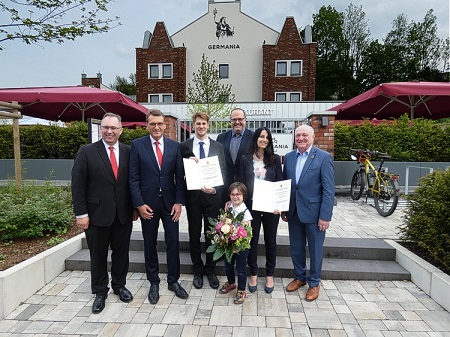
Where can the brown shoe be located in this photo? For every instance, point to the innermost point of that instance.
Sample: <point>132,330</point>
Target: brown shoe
<point>312,293</point>
<point>294,285</point>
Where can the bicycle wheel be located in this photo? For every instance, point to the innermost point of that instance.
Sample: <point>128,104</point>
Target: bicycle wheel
<point>357,185</point>
<point>386,201</point>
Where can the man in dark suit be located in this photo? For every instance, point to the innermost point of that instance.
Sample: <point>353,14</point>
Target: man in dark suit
<point>235,143</point>
<point>158,192</point>
<point>102,205</point>
<point>311,172</point>
<point>205,203</point>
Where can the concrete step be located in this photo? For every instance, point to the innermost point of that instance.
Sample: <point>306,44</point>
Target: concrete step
<point>344,259</point>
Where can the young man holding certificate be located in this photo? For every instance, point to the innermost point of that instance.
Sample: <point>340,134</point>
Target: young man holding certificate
<point>205,202</point>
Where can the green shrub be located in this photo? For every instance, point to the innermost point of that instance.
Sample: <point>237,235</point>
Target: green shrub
<point>33,211</point>
<point>427,218</point>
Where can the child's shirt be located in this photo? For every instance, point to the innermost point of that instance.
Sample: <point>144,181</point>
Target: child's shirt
<point>241,208</point>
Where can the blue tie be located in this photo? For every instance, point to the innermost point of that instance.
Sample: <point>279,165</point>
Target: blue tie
<point>301,159</point>
<point>202,150</point>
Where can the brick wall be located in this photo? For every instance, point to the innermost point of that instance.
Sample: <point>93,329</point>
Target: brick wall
<point>91,81</point>
<point>289,47</point>
<point>324,135</point>
<point>160,50</point>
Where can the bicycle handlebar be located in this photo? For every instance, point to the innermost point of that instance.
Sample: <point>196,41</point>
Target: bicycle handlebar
<point>370,153</point>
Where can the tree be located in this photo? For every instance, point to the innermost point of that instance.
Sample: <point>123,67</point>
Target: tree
<point>124,86</point>
<point>53,20</point>
<point>206,94</point>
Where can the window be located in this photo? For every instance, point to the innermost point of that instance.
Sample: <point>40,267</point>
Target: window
<point>160,70</point>
<point>223,70</point>
<point>288,96</point>
<point>288,68</point>
<point>160,98</point>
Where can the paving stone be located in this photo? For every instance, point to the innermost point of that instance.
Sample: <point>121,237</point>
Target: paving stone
<point>207,331</point>
<point>56,289</point>
<point>415,326</point>
<point>366,310</point>
<point>224,331</point>
<point>393,315</point>
<point>258,321</point>
<point>301,330</point>
<point>156,316</point>
<point>29,311</point>
<point>437,320</point>
<point>226,316</point>
<point>180,314</point>
<point>322,319</point>
<point>157,330</point>
<point>173,330</point>
<point>371,325</point>
<point>394,325</point>
<point>353,330</point>
<point>37,327</point>
<point>73,326</point>
<point>239,331</point>
<point>190,330</point>
<point>297,317</point>
<point>392,334</point>
<point>410,315</point>
<point>283,332</point>
<point>337,333</point>
<point>90,328</point>
<point>347,319</point>
<point>398,295</point>
<point>133,330</point>
<point>272,307</point>
<point>278,322</point>
<point>266,332</point>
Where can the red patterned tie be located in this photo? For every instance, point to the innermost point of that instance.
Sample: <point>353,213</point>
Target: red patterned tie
<point>112,158</point>
<point>158,153</point>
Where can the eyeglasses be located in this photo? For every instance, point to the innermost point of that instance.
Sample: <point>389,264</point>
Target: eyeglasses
<point>112,128</point>
<point>237,120</point>
<point>159,125</point>
<point>235,195</point>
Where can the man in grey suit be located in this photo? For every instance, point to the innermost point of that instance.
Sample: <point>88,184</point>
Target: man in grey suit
<point>102,205</point>
<point>311,172</point>
<point>205,203</point>
<point>235,144</point>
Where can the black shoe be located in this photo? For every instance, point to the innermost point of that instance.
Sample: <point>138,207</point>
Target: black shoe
<point>213,281</point>
<point>99,304</point>
<point>124,294</point>
<point>198,281</point>
<point>178,290</point>
<point>153,295</point>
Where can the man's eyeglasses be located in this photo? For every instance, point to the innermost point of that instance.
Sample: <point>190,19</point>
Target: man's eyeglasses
<point>235,195</point>
<point>237,120</point>
<point>159,125</point>
<point>112,128</point>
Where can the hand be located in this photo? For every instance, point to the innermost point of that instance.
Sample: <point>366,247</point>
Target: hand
<point>83,223</point>
<point>276,211</point>
<point>176,212</point>
<point>323,225</point>
<point>145,212</point>
<point>284,217</point>
<point>208,190</point>
<point>227,205</point>
<point>194,158</point>
<point>135,214</point>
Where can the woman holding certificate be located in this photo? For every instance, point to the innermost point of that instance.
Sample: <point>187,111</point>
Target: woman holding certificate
<point>261,162</point>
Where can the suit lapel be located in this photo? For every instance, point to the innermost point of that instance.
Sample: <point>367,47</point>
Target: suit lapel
<point>104,156</point>
<point>149,146</point>
<point>308,162</point>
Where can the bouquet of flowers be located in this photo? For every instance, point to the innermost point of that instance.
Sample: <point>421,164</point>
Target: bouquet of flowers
<point>229,234</point>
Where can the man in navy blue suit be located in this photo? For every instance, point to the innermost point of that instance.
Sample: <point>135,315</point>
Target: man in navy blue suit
<point>235,144</point>
<point>157,189</point>
<point>311,172</point>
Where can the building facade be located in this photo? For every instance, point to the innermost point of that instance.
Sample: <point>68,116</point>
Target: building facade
<point>260,63</point>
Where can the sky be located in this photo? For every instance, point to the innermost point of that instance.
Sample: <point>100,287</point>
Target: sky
<point>113,53</point>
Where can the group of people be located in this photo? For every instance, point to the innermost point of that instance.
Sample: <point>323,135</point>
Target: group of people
<point>113,185</point>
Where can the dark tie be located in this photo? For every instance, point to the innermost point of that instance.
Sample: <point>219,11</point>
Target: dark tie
<point>113,160</point>
<point>234,147</point>
<point>158,153</point>
<point>202,150</point>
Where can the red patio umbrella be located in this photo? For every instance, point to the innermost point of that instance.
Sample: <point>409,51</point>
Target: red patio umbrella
<point>391,100</point>
<point>72,103</point>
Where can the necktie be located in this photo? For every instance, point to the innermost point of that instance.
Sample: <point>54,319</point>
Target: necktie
<point>202,150</point>
<point>158,153</point>
<point>301,159</point>
<point>113,160</point>
<point>234,147</point>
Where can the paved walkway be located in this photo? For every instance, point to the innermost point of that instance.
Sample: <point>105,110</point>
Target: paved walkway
<point>344,308</point>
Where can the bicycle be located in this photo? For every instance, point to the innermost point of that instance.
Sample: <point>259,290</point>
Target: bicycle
<point>380,185</point>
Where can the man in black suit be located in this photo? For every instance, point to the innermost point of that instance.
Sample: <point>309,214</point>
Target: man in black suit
<point>102,205</point>
<point>205,203</point>
<point>235,143</point>
<point>157,189</point>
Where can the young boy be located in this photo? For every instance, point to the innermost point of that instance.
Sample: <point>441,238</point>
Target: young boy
<point>237,192</point>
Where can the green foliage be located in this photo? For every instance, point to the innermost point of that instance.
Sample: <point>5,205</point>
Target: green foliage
<point>423,140</point>
<point>124,86</point>
<point>43,20</point>
<point>32,211</point>
<point>129,134</point>
<point>206,94</point>
<point>427,216</point>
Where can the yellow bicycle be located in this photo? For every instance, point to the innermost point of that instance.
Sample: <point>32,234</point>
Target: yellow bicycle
<point>380,185</point>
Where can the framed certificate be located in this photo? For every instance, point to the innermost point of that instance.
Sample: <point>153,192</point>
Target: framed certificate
<point>269,196</point>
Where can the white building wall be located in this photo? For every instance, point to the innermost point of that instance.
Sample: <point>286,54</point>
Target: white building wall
<point>244,53</point>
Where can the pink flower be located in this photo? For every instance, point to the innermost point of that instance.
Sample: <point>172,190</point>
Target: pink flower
<point>242,233</point>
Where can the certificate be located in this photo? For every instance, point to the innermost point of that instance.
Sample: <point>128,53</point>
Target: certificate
<point>206,172</point>
<point>269,196</point>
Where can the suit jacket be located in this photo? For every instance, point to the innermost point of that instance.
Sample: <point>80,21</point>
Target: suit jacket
<point>95,190</point>
<point>233,169</point>
<point>246,175</point>
<point>147,179</point>
<point>313,194</point>
<point>215,149</point>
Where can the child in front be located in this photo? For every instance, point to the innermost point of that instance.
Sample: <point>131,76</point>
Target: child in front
<point>237,192</point>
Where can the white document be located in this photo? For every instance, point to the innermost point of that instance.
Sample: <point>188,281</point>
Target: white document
<point>204,173</point>
<point>269,196</point>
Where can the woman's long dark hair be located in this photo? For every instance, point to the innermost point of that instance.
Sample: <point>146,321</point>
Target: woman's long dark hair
<point>269,155</point>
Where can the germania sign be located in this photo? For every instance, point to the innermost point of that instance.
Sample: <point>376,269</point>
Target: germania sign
<point>224,46</point>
